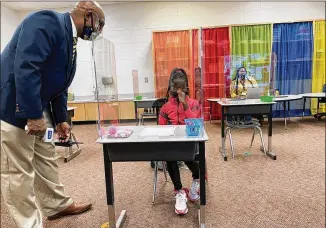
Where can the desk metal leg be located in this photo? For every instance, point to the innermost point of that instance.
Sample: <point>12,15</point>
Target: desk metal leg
<point>304,107</point>
<point>270,153</point>
<point>210,111</point>
<point>202,173</point>
<point>285,112</point>
<point>136,114</point>
<point>222,148</point>
<point>110,193</point>
<point>289,111</point>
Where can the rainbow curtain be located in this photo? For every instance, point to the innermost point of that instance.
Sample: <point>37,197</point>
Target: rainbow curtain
<point>291,60</point>
<point>318,70</point>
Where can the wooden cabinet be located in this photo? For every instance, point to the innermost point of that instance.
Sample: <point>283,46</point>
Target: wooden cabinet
<point>80,114</point>
<point>123,110</point>
<point>127,110</point>
<point>91,111</point>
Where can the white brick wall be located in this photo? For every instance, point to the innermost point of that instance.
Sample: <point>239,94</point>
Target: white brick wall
<point>129,26</point>
<point>9,22</point>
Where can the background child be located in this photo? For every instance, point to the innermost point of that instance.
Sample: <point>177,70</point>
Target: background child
<point>178,108</point>
<point>239,87</point>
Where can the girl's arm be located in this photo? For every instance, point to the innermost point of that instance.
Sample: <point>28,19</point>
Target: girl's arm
<point>233,90</point>
<point>163,116</point>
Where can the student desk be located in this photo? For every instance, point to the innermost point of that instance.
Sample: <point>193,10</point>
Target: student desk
<point>211,101</point>
<point>71,113</point>
<point>137,148</point>
<point>286,99</point>
<point>232,107</point>
<point>144,103</point>
<point>310,95</point>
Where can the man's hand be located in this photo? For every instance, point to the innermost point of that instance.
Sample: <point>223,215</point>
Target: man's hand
<point>36,127</point>
<point>63,131</point>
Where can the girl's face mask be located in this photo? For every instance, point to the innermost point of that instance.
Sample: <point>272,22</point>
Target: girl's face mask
<point>242,74</point>
<point>178,84</point>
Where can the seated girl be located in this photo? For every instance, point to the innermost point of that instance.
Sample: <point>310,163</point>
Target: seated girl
<point>239,86</point>
<point>178,108</point>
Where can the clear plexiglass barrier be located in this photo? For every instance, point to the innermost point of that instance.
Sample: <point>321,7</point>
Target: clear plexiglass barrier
<point>170,93</point>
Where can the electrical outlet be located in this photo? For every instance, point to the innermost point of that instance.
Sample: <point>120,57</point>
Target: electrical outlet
<point>146,80</point>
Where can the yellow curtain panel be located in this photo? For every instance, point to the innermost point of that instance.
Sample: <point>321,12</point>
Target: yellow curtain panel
<point>318,70</point>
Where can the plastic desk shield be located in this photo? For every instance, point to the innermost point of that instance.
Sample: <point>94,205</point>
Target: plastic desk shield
<point>107,107</point>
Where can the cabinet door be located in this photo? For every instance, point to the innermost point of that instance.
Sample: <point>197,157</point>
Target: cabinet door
<point>127,110</point>
<point>91,111</point>
<point>79,111</point>
<point>109,111</point>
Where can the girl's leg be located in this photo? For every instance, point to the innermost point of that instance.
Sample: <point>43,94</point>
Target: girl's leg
<point>174,173</point>
<point>180,194</point>
<point>194,190</point>
<point>194,168</point>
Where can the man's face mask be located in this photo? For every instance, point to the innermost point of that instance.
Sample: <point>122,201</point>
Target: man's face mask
<point>91,32</point>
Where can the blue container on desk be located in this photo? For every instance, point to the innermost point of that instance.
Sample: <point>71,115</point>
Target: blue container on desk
<point>194,127</point>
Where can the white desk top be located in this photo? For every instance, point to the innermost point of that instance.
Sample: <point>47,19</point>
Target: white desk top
<point>145,99</point>
<point>179,136</point>
<point>314,95</point>
<point>288,98</point>
<point>71,108</point>
<point>214,99</point>
<point>231,102</point>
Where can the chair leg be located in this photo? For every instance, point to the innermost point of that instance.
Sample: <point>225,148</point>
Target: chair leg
<point>262,139</point>
<point>206,175</point>
<point>164,171</point>
<point>139,121</point>
<point>225,133</point>
<point>231,143</point>
<point>253,137</point>
<point>155,182</point>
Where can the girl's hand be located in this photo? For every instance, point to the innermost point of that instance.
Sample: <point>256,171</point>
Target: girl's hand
<point>181,96</point>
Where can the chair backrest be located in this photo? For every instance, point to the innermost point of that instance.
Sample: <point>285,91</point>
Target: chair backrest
<point>159,103</point>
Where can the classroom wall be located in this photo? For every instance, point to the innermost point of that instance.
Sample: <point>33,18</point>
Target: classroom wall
<point>9,21</point>
<point>129,26</point>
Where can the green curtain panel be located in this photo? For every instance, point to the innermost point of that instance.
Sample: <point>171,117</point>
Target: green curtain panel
<point>251,48</point>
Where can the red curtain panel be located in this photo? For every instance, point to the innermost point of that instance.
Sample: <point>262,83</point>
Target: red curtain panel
<point>216,67</point>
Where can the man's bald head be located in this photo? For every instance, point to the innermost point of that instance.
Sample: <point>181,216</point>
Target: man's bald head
<point>89,14</point>
<point>92,6</point>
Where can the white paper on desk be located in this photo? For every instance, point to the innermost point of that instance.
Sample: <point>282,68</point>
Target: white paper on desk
<point>155,131</point>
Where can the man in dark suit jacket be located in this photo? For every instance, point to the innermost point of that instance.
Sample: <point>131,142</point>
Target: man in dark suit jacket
<point>37,67</point>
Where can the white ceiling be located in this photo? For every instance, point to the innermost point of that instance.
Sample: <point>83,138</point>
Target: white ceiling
<point>26,5</point>
<point>22,6</point>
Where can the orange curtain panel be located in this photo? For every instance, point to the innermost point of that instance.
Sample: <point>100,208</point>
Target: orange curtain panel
<point>170,50</point>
